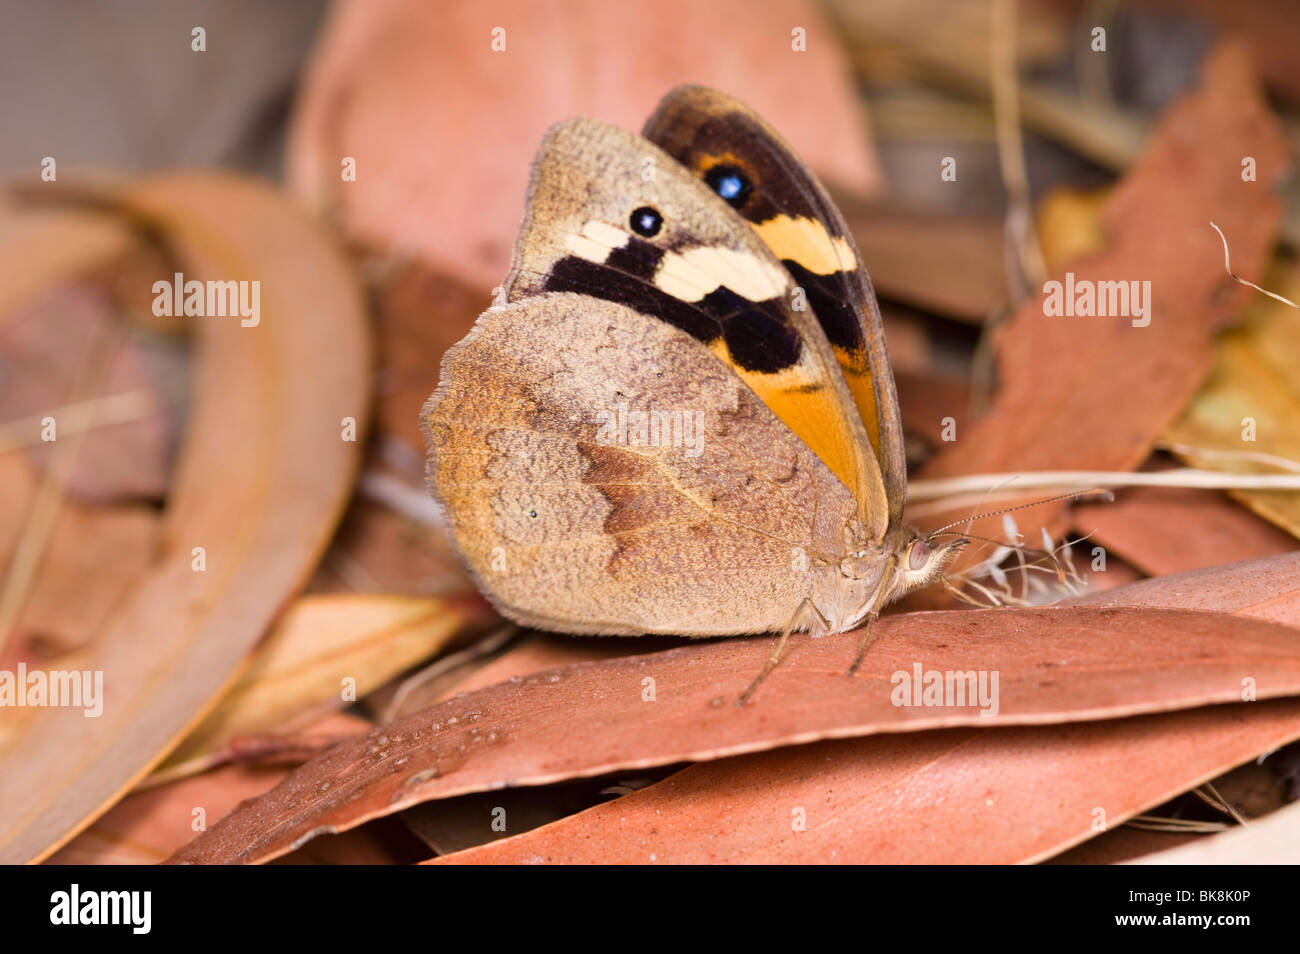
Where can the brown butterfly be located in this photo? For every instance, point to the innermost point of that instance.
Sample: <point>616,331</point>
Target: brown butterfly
<point>683,419</point>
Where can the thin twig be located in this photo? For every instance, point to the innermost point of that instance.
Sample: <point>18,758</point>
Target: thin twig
<point>931,490</point>
<point>1227,267</point>
<point>1011,151</point>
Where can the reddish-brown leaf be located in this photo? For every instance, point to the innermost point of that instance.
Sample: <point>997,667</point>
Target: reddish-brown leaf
<point>1054,665</point>
<point>956,797</point>
<point>148,825</point>
<point>262,480</point>
<point>1164,530</point>
<point>1266,588</point>
<point>1273,840</point>
<point>1095,393</point>
<point>377,91</point>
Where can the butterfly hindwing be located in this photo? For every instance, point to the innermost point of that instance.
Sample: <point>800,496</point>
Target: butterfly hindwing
<point>743,160</point>
<point>567,524</point>
<point>612,216</point>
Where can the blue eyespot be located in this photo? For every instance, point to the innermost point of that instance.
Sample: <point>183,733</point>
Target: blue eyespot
<point>646,221</point>
<point>729,183</point>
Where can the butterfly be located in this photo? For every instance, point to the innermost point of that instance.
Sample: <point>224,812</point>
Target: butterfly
<point>682,417</point>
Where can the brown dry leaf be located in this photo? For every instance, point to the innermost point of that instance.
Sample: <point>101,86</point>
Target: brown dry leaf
<point>421,313</point>
<point>538,652</point>
<point>1164,530</point>
<point>1266,588</point>
<point>1015,779</point>
<point>322,647</point>
<point>43,353</point>
<point>454,824</point>
<point>377,91</point>
<point>901,247</point>
<point>1267,25</point>
<point>262,480</point>
<point>1002,796</point>
<point>1056,665</point>
<point>523,655</point>
<point>41,248</point>
<point>147,826</point>
<point>1252,402</point>
<point>1096,393</point>
<point>379,551</point>
<point>1273,840</point>
<point>1122,844</point>
<point>94,557</point>
<point>926,401</point>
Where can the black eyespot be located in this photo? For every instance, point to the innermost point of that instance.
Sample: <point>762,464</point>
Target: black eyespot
<point>730,183</point>
<point>532,513</point>
<point>646,221</point>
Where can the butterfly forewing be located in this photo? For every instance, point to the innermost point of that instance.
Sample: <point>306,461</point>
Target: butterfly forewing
<point>612,216</point>
<point>746,163</point>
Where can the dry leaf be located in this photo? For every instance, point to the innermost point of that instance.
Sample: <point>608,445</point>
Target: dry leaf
<point>262,480</point>
<point>1096,393</point>
<point>1055,665</point>
<point>94,558</point>
<point>376,92</point>
<point>1252,402</point>
<point>957,797</point>
<point>42,248</point>
<point>322,646</point>
<point>1164,530</point>
<point>1266,588</point>
<point>43,351</point>
<point>1274,840</point>
<point>900,247</point>
<point>147,826</point>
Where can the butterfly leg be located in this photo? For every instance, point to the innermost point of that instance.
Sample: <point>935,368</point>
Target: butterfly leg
<point>864,643</point>
<point>775,658</point>
<point>869,621</point>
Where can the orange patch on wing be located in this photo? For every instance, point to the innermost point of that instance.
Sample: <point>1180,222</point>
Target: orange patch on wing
<point>809,408</point>
<point>857,375</point>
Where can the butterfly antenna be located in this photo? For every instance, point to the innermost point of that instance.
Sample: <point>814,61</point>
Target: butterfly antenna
<point>1033,503</point>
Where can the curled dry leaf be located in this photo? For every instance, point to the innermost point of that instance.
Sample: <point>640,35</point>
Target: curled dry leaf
<point>1273,840</point>
<point>1004,796</point>
<point>1164,530</point>
<point>41,248</point>
<point>376,92</point>
<point>262,479</point>
<point>147,826</point>
<point>1055,665</point>
<point>322,648</point>
<point>124,450</point>
<point>1096,392</point>
<point>94,557</point>
<point>1252,402</point>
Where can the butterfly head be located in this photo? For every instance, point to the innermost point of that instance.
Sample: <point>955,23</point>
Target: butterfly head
<point>922,559</point>
<point>874,575</point>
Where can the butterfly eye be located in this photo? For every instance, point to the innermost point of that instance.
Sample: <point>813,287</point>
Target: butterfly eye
<point>729,183</point>
<point>918,555</point>
<point>646,221</point>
